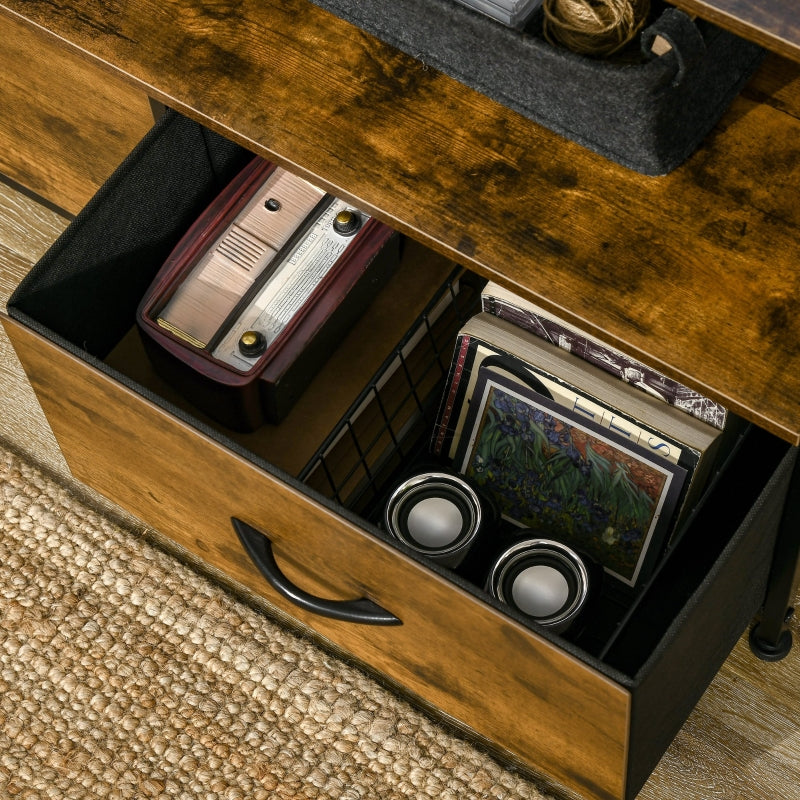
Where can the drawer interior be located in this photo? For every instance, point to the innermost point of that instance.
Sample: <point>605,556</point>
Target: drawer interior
<point>381,390</point>
<point>362,460</point>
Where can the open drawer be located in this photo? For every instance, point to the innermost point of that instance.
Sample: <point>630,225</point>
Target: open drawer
<point>593,715</point>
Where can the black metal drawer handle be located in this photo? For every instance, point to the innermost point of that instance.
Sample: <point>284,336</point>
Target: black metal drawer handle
<point>259,548</point>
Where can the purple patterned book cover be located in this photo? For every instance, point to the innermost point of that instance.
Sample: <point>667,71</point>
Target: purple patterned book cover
<point>551,470</point>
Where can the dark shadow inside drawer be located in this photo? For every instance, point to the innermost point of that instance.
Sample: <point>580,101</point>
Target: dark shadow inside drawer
<point>380,389</point>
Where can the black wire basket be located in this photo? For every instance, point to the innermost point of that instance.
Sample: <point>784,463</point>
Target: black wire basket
<point>390,421</point>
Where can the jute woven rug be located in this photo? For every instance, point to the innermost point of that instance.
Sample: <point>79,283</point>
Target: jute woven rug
<point>124,674</point>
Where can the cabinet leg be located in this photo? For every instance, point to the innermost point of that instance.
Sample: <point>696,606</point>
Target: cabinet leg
<point>770,638</point>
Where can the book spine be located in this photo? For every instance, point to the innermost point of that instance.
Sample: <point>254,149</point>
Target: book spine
<point>609,359</point>
<point>448,404</point>
<point>585,405</point>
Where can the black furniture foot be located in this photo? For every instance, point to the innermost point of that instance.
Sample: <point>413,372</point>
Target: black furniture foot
<point>770,638</point>
<point>767,650</point>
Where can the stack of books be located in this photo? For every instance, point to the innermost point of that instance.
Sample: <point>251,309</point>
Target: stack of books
<point>572,438</point>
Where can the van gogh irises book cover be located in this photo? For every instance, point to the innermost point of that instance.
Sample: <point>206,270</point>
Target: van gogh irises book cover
<point>553,470</point>
<point>665,432</point>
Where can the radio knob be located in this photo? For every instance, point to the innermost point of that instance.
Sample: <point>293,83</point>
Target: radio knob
<point>347,222</point>
<point>252,343</point>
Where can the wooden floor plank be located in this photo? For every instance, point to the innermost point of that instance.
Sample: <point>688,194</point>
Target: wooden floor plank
<point>27,229</point>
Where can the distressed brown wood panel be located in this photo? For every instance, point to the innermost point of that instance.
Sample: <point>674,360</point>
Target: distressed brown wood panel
<point>774,24</point>
<point>66,123</point>
<point>493,675</point>
<point>694,272</point>
<point>776,84</point>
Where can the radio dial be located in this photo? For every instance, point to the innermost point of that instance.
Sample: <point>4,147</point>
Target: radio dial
<point>252,343</point>
<point>347,222</point>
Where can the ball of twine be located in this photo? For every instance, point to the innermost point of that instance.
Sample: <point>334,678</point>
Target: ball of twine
<point>593,27</point>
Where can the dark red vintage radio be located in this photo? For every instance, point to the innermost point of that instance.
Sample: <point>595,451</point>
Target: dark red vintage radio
<point>258,293</point>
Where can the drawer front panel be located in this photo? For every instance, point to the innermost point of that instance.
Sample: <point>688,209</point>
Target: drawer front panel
<point>66,123</point>
<point>473,663</point>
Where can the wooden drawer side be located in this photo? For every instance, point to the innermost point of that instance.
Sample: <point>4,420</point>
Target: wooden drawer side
<point>66,123</point>
<point>506,683</point>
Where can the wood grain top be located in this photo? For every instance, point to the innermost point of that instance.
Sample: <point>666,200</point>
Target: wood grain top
<point>774,24</point>
<point>695,272</point>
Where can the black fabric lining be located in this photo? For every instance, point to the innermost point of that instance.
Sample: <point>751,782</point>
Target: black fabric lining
<point>117,233</point>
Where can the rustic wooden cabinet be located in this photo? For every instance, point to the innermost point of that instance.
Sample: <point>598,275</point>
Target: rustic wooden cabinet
<point>693,272</point>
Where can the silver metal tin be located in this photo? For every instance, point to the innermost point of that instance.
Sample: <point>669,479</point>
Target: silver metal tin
<point>542,578</point>
<point>437,514</point>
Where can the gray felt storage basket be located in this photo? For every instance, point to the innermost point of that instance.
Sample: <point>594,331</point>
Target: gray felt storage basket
<point>648,116</point>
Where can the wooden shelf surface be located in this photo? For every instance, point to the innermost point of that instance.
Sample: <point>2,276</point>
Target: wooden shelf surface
<point>695,272</point>
<point>774,24</point>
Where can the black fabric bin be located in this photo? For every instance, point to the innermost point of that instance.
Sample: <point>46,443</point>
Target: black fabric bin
<point>648,116</point>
